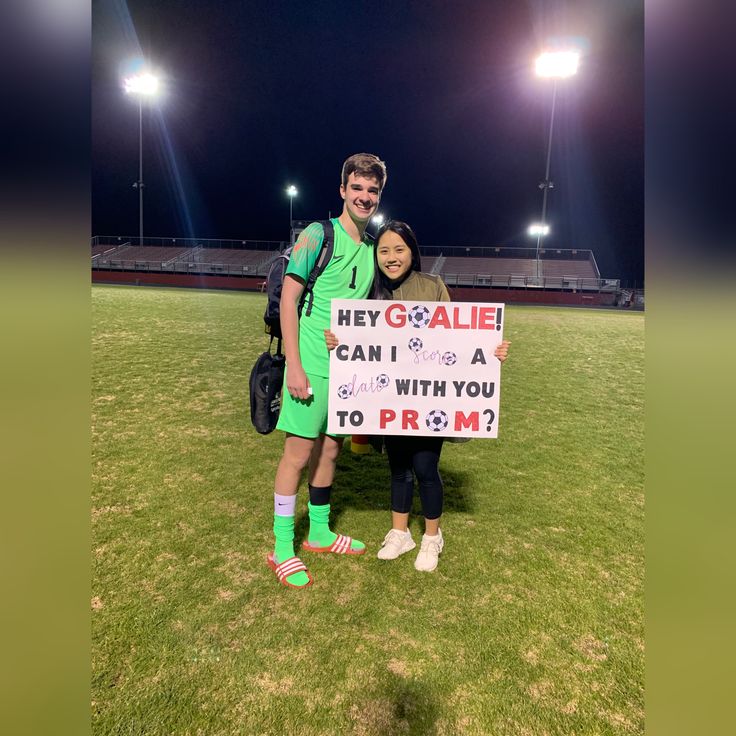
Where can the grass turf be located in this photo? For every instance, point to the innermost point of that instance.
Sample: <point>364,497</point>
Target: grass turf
<point>532,623</point>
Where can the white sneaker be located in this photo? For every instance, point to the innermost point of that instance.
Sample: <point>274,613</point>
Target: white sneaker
<point>395,543</point>
<point>429,552</point>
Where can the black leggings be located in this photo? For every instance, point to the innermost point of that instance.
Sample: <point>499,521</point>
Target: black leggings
<point>420,456</point>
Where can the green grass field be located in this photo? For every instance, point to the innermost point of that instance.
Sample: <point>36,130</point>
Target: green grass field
<point>531,625</point>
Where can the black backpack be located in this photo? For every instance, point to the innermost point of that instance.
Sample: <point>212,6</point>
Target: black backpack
<point>267,375</point>
<point>275,282</point>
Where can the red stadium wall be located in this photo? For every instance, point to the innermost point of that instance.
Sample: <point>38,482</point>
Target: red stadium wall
<point>533,296</point>
<point>458,293</point>
<point>190,280</point>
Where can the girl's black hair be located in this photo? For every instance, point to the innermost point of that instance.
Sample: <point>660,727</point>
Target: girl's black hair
<point>382,284</point>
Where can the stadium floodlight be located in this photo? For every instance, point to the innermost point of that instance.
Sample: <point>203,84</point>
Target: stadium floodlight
<point>377,220</point>
<point>538,229</point>
<point>557,64</point>
<point>291,191</point>
<point>140,85</point>
<point>552,65</point>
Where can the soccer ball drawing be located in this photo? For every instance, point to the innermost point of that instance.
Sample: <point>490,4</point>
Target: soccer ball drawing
<point>415,344</point>
<point>383,380</point>
<point>448,358</point>
<point>419,316</point>
<point>436,420</point>
<point>345,391</point>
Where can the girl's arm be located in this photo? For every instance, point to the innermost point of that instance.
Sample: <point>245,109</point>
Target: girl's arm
<point>331,340</point>
<point>502,350</point>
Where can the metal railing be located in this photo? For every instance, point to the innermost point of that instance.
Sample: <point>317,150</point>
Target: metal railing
<point>189,242</point>
<point>225,269</point>
<point>437,266</point>
<point>194,259</point>
<point>503,281</point>
<point>519,281</point>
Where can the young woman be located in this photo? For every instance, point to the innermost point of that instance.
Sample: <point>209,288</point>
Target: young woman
<point>399,276</point>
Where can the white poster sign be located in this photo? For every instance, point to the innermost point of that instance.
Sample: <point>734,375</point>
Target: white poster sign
<point>415,368</point>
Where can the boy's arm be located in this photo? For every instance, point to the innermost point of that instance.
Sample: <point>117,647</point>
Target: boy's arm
<point>297,383</point>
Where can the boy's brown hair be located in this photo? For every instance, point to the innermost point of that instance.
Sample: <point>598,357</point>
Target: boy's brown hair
<point>364,164</point>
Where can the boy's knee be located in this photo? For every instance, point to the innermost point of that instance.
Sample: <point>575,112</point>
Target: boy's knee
<point>297,457</point>
<point>331,451</point>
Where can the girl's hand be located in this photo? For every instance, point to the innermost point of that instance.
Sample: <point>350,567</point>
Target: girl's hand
<point>331,340</point>
<point>502,351</point>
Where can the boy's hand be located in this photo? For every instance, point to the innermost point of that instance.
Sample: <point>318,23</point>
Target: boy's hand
<point>331,340</point>
<point>298,383</point>
<point>502,350</point>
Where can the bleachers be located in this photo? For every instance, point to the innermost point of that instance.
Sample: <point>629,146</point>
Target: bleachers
<point>488,266</point>
<point>464,271</point>
<point>150,254</point>
<point>555,272</point>
<point>98,250</point>
<point>573,269</point>
<point>428,263</point>
<point>184,258</point>
<point>232,256</point>
<point>494,266</point>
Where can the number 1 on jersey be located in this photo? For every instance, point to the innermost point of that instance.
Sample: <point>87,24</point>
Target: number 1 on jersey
<point>352,280</point>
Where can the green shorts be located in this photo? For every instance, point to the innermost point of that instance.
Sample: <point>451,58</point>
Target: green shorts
<point>305,418</point>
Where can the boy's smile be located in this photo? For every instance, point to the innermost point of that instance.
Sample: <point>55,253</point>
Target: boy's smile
<point>361,196</point>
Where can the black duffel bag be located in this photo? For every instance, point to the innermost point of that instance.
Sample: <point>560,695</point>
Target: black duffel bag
<point>266,382</point>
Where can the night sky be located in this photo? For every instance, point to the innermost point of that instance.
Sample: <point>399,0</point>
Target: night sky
<point>259,95</point>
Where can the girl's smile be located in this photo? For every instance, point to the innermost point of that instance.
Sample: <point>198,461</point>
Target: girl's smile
<point>393,255</point>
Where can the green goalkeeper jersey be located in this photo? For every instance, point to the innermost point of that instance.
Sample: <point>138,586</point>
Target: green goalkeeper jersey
<point>348,275</point>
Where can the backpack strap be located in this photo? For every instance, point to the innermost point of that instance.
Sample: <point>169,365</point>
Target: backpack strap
<point>278,344</point>
<point>323,258</point>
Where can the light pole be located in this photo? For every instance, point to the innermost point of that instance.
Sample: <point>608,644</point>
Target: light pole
<point>538,230</point>
<point>141,85</point>
<point>292,192</point>
<point>555,65</point>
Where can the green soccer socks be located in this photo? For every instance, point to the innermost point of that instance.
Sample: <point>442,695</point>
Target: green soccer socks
<point>283,531</point>
<point>319,529</point>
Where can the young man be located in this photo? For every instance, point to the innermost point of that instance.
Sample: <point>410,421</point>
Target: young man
<point>303,416</point>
